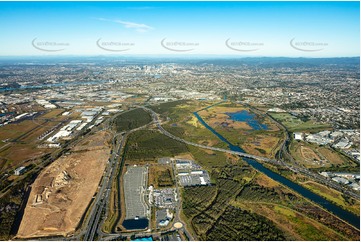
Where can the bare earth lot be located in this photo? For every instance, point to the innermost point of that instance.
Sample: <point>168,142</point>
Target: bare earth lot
<point>61,193</point>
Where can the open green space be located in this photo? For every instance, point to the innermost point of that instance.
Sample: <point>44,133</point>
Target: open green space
<point>151,144</point>
<point>322,157</point>
<point>263,209</point>
<point>132,119</point>
<point>210,214</point>
<point>182,123</point>
<point>236,224</point>
<point>161,176</point>
<point>257,142</point>
<point>258,193</point>
<point>293,123</point>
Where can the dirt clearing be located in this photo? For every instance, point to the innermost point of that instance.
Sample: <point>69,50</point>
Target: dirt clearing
<point>63,190</point>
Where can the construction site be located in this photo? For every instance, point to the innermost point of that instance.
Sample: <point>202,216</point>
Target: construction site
<point>62,192</point>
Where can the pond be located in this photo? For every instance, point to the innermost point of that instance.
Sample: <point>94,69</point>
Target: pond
<point>135,224</point>
<point>249,118</point>
<point>336,210</point>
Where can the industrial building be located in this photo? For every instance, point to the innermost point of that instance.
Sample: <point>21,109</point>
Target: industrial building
<point>19,171</point>
<point>165,198</point>
<point>191,174</point>
<point>164,161</point>
<point>183,164</point>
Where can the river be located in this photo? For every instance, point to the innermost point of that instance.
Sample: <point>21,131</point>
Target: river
<point>336,210</point>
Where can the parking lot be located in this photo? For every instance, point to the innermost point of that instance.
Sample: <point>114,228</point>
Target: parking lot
<point>194,180</point>
<point>134,188</point>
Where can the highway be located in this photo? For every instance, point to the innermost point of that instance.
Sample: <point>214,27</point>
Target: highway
<point>102,196</point>
<point>95,218</point>
<point>165,132</point>
<point>294,168</point>
<point>92,225</point>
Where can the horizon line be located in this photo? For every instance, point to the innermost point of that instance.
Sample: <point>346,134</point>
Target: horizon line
<point>174,56</point>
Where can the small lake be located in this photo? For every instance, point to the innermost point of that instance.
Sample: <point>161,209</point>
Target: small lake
<point>135,224</point>
<point>249,118</point>
<point>336,210</point>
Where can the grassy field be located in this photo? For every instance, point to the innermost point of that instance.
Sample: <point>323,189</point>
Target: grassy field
<point>330,194</point>
<point>20,140</point>
<point>322,157</point>
<point>256,142</point>
<point>184,124</point>
<point>301,215</point>
<point>295,124</point>
<point>53,113</point>
<point>131,120</point>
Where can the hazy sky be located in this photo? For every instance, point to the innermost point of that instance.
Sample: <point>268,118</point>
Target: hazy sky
<point>312,29</point>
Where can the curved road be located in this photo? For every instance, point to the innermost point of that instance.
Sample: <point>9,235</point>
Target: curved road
<point>293,167</point>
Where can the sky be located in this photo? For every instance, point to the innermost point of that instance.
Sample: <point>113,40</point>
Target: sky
<point>289,29</point>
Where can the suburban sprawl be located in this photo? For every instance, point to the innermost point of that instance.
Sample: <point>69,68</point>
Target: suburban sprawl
<point>179,149</point>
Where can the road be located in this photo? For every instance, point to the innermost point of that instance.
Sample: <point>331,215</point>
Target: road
<point>103,194</point>
<point>177,217</point>
<point>294,167</point>
<point>95,218</point>
<point>52,157</point>
<point>92,226</point>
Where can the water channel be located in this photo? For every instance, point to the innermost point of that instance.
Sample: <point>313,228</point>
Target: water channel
<point>336,210</point>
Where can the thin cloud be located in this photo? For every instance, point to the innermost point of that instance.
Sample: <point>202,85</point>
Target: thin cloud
<point>130,25</point>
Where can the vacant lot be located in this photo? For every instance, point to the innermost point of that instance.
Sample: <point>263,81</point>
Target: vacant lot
<point>307,155</point>
<point>161,176</point>
<point>334,157</point>
<point>62,191</point>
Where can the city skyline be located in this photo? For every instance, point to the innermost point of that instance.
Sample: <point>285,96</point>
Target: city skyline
<point>270,29</point>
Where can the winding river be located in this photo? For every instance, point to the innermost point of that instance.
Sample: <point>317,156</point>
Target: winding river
<point>336,210</point>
